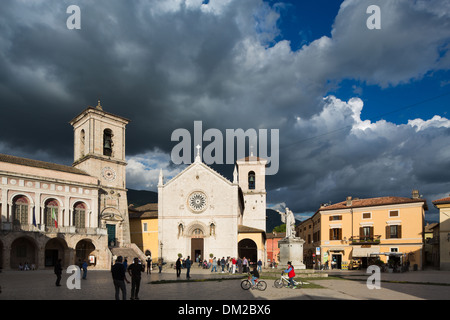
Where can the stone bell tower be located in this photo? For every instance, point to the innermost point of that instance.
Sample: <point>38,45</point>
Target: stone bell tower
<point>99,150</point>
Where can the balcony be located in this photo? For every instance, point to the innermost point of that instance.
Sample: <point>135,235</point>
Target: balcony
<point>10,227</point>
<point>357,240</point>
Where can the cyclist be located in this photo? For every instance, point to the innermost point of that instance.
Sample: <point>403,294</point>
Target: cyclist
<point>255,276</point>
<point>291,274</point>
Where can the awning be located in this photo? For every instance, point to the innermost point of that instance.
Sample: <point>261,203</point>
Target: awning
<point>364,252</point>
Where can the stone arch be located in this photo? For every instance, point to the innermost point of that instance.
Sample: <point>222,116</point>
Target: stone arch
<point>24,249</point>
<point>56,248</point>
<point>196,225</point>
<point>249,249</point>
<point>83,249</point>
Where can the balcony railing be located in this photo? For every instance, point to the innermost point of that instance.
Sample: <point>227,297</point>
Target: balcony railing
<point>6,226</point>
<point>357,240</point>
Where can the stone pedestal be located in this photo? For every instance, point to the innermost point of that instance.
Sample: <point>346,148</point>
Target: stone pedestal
<point>291,249</point>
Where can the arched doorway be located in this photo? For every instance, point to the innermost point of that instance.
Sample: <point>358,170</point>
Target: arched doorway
<point>248,248</point>
<point>23,250</point>
<point>197,245</point>
<point>55,249</point>
<point>83,250</point>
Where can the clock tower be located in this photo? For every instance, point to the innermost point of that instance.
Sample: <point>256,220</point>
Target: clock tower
<point>99,150</point>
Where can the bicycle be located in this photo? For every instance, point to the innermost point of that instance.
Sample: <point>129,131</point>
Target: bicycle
<point>246,284</point>
<point>284,282</point>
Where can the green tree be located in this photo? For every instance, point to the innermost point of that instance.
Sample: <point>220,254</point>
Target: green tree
<point>280,228</point>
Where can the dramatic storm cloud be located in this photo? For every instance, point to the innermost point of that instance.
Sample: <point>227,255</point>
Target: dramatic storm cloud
<point>165,64</point>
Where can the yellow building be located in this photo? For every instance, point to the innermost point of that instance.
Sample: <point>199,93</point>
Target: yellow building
<point>444,232</point>
<point>144,229</point>
<point>360,230</point>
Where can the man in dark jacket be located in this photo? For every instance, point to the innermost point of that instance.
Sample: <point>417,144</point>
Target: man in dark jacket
<point>134,270</point>
<point>188,267</point>
<point>119,278</point>
<point>58,271</point>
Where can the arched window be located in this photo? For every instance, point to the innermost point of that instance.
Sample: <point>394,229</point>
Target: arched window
<point>20,211</point>
<point>79,215</point>
<point>82,142</point>
<point>107,142</point>
<point>51,213</point>
<point>251,180</point>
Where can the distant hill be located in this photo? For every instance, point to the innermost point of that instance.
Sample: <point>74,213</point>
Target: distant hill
<point>141,197</point>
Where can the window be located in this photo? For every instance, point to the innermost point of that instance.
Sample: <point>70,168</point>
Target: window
<point>82,142</point>
<point>366,233</point>
<point>393,232</point>
<point>393,214</point>
<point>333,218</point>
<point>367,215</point>
<point>145,227</point>
<point>251,180</point>
<point>20,211</point>
<point>51,213</point>
<point>79,215</point>
<point>107,142</point>
<point>336,234</point>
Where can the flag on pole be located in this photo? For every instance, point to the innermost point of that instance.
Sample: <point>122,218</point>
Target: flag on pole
<point>54,217</point>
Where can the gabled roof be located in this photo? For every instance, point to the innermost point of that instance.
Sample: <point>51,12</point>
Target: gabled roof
<point>201,164</point>
<point>40,164</point>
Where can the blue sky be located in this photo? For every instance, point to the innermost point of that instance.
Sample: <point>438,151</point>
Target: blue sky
<point>302,22</point>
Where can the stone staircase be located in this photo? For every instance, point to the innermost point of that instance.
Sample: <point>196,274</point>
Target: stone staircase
<point>128,252</point>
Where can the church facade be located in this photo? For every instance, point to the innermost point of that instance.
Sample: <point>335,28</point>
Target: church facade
<point>201,214</point>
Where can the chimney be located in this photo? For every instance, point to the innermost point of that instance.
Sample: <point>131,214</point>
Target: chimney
<point>349,201</point>
<point>415,194</point>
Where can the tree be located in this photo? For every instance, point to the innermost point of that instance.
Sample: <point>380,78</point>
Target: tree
<point>280,228</point>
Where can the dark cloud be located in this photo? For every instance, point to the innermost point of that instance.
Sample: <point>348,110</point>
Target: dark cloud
<point>165,64</point>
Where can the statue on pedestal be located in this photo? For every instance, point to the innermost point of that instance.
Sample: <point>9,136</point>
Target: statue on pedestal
<point>291,247</point>
<point>289,219</point>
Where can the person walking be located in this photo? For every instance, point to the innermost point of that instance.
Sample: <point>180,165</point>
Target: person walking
<point>178,267</point>
<point>134,270</point>
<point>119,278</point>
<point>58,271</point>
<point>84,267</point>
<point>259,265</point>
<point>188,267</point>
<point>222,264</point>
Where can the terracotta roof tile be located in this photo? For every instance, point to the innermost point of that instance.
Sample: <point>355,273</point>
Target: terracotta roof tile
<point>442,201</point>
<point>40,164</point>
<point>371,202</point>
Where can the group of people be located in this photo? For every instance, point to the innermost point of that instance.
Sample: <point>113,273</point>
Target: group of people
<point>134,270</point>
<point>27,266</point>
<point>230,264</point>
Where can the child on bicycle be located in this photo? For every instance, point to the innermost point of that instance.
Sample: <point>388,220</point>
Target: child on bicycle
<point>255,276</point>
<point>291,274</point>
